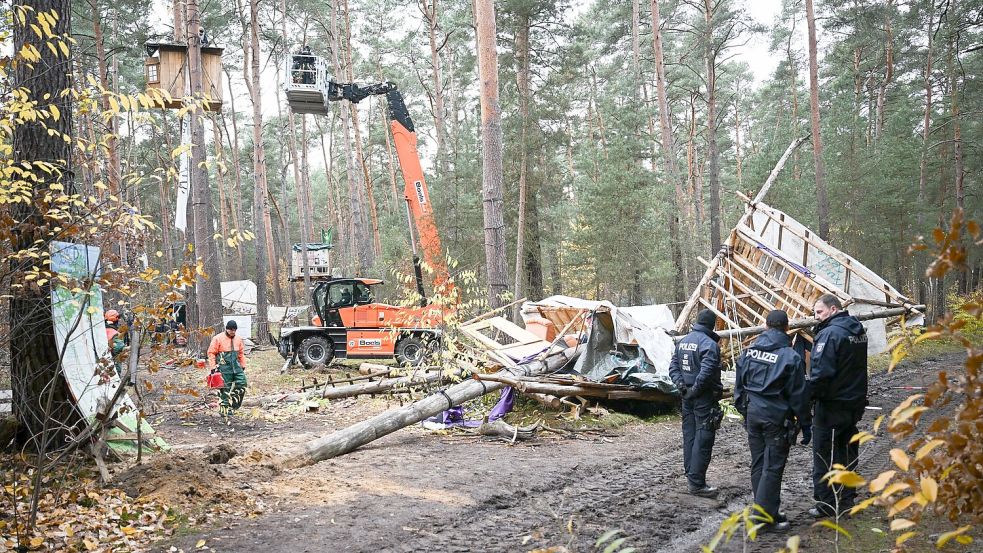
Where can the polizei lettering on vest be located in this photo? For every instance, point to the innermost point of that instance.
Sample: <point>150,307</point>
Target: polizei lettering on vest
<point>687,346</point>
<point>765,356</point>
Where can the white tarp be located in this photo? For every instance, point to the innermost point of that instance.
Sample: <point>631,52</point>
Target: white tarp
<point>239,297</point>
<point>641,325</point>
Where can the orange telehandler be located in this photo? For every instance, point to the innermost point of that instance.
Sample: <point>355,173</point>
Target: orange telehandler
<point>351,323</point>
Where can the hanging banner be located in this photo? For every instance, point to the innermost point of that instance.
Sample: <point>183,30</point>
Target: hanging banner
<point>184,177</point>
<point>80,335</point>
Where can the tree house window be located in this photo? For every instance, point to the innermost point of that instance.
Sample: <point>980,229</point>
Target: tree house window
<point>153,73</point>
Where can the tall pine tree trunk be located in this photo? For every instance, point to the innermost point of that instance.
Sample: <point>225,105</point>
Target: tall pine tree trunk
<point>491,158</point>
<point>522,82</point>
<point>712,152</point>
<point>920,264</point>
<point>822,201</point>
<point>439,112</point>
<point>265,252</point>
<point>40,395</point>
<point>358,236</point>
<point>669,157</point>
<point>208,290</point>
<point>957,141</point>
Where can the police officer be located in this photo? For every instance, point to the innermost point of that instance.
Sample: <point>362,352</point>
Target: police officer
<point>838,384</point>
<point>695,370</point>
<point>770,391</point>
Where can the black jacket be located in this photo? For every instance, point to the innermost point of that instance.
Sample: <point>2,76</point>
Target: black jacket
<point>771,381</point>
<point>696,362</point>
<point>838,377</point>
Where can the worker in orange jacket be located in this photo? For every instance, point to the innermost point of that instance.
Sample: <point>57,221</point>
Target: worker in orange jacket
<point>227,354</point>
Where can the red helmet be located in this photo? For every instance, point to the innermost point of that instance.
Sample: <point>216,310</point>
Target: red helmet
<point>112,315</point>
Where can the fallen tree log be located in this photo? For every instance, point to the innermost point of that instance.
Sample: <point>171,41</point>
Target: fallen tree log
<point>387,384</point>
<point>610,391</point>
<point>742,333</point>
<point>348,439</point>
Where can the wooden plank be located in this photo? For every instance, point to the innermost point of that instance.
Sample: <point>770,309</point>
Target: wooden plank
<point>743,263</point>
<point>733,298</point>
<point>720,314</point>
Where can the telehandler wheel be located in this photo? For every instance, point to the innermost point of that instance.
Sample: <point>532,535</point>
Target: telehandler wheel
<point>314,351</point>
<point>410,350</point>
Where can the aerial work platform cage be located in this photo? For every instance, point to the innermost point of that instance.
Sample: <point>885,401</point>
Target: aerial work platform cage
<point>307,84</point>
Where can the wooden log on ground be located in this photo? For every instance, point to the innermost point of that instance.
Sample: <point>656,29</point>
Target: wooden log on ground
<point>370,368</point>
<point>380,386</point>
<point>348,439</point>
<point>551,402</point>
<point>588,389</point>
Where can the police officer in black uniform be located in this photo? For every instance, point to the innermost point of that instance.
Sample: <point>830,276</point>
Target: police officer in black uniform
<point>770,391</point>
<point>838,384</point>
<point>695,370</point>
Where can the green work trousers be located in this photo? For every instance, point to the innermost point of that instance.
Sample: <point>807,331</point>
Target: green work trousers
<point>235,382</point>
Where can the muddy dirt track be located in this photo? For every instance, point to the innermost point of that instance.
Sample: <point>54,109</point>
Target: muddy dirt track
<point>420,491</point>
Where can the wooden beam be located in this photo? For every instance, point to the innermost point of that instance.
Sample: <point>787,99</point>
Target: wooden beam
<point>742,333</point>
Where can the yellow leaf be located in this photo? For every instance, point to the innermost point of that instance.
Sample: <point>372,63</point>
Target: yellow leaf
<point>882,479</point>
<point>900,458</point>
<point>894,488</point>
<point>792,544</point>
<point>901,524</point>
<point>928,336</point>
<point>200,544</point>
<point>861,437</point>
<point>36,542</point>
<point>830,524</point>
<point>877,423</point>
<point>847,478</point>
<point>129,530</point>
<point>944,538</point>
<point>930,488</point>
<point>862,505</point>
<point>903,504</point>
<point>904,537</point>
<point>927,448</point>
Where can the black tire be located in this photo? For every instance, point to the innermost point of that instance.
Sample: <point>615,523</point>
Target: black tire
<point>314,351</point>
<point>410,350</point>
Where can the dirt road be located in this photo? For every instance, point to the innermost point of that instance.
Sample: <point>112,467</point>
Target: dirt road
<point>422,491</point>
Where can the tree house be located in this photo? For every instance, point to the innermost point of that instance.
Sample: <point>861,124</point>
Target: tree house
<point>166,68</point>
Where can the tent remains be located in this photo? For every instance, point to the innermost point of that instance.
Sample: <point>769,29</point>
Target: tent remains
<point>771,261</point>
<point>625,350</point>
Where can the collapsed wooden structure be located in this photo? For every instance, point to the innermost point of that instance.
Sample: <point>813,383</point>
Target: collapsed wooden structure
<point>771,261</point>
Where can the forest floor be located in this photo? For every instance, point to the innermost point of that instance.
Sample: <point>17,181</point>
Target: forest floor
<point>420,490</point>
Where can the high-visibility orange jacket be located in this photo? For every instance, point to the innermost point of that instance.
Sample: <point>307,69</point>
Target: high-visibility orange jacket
<point>221,342</point>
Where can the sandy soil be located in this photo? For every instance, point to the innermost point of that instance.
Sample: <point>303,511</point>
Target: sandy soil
<point>416,490</point>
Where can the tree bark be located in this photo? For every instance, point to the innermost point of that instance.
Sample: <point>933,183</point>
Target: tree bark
<point>712,153</point>
<point>208,289</point>
<point>888,70</point>
<point>40,395</point>
<point>359,434</point>
<point>923,163</point>
<point>265,252</point>
<point>669,156</point>
<point>522,82</point>
<point>357,236</point>
<point>491,159</point>
<point>112,140</point>
<point>822,200</point>
<point>439,112</point>
<point>959,178</point>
